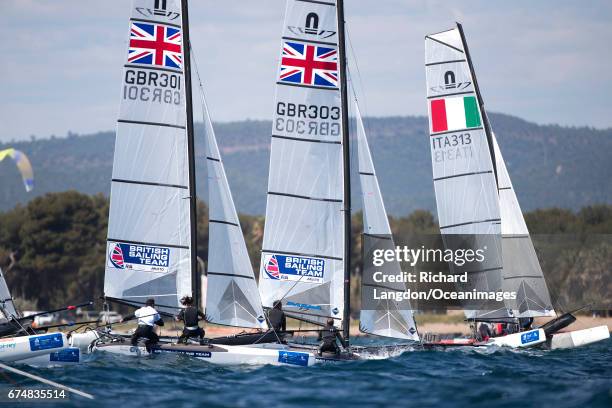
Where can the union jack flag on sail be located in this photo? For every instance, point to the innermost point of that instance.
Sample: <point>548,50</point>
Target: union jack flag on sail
<point>309,64</point>
<point>155,44</point>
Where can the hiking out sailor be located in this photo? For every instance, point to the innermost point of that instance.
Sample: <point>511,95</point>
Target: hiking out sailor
<point>525,323</point>
<point>484,332</point>
<point>190,316</point>
<point>328,336</point>
<point>148,318</point>
<point>277,318</point>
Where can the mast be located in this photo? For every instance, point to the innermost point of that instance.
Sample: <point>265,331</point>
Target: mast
<point>195,276</point>
<point>346,173</point>
<point>485,118</point>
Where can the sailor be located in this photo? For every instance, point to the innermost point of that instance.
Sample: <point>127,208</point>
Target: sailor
<point>148,318</point>
<point>328,336</point>
<point>525,323</point>
<point>190,316</point>
<point>277,318</point>
<point>484,332</point>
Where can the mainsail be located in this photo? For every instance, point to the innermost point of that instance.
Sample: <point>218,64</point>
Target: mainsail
<point>381,317</point>
<point>7,306</point>
<point>522,271</point>
<point>463,168</point>
<point>149,237</point>
<point>303,253</point>
<point>232,298</point>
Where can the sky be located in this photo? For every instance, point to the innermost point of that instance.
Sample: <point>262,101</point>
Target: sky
<point>543,61</point>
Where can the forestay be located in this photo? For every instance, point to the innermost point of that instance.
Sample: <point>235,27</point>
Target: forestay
<point>232,298</point>
<point>382,317</point>
<point>464,179</point>
<point>7,307</point>
<point>148,249</point>
<point>522,271</point>
<point>303,247</point>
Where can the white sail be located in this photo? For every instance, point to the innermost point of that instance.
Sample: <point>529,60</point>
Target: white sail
<point>302,260</point>
<point>464,180</point>
<point>232,297</point>
<point>522,272</point>
<point>387,318</point>
<point>148,248</point>
<point>7,306</point>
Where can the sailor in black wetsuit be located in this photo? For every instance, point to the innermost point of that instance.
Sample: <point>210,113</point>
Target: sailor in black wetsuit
<point>277,318</point>
<point>484,332</point>
<point>525,323</point>
<point>328,336</point>
<point>190,316</point>
<point>148,318</point>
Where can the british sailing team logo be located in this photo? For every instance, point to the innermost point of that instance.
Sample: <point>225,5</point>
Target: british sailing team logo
<point>159,9</point>
<point>311,28</point>
<point>146,258</point>
<point>116,256</point>
<point>272,268</point>
<point>294,268</point>
<point>450,83</point>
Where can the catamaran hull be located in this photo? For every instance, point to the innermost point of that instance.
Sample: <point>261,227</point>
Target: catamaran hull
<point>83,341</point>
<point>578,338</point>
<point>221,355</point>
<point>516,340</point>
<point>25,347</point>
<point>524,339</point>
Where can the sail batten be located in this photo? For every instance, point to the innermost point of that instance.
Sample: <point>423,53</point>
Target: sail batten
<point>302,261</point>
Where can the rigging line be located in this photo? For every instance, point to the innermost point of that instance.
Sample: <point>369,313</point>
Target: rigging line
<point>359,77</point>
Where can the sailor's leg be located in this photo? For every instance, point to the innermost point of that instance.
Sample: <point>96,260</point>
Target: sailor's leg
<point>135,336</point>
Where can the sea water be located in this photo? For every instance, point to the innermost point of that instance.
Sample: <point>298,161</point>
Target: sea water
<point>460,377</point>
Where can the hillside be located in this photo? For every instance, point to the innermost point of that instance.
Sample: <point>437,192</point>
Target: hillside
<point>551,166</point>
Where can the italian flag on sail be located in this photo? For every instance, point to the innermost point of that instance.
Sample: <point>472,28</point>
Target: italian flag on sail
<point>455,113</point>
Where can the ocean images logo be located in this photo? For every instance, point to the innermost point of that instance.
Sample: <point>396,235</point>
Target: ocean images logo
<point>450,83</point>
<point>311,28</point>
<point>159,9</point>
<point>294,268</point>
<point>139,257</point>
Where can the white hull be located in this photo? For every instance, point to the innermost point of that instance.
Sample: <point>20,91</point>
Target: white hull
<point>578,338</point>
<point>83,340</point>
<point>524,339</point>
<point>222,355</point>
<point>25,347</point>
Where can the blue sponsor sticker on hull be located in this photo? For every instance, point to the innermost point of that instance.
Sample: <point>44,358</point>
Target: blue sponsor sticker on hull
<point>293,358</point>
<point>294,268</point>
<point>530,336</point>
<point>46,342</point>
<point>69,355</point>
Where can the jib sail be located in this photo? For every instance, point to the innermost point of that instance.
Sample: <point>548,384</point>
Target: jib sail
<point>7,307</point>
<point>149,240</point>
<point>522,272</point>
<point>302,261</point>
<point>232,297</point>
<point>382,317</point>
